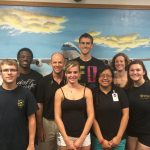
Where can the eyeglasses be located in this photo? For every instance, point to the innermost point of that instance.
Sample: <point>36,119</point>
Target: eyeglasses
<point>87,43</point>
<point>105,76</point>
<point>9,70</point>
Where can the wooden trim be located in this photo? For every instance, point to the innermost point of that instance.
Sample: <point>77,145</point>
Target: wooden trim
<point>74,5</point>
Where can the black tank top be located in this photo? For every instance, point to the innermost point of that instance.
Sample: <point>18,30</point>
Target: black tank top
<point>74,115</point>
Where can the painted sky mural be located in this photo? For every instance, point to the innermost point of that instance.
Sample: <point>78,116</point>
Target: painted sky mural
<point>49,29</point>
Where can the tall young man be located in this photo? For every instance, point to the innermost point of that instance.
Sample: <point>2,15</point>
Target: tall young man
<point>17,111</point>
<point>89,65</point>
<point>47,129</point>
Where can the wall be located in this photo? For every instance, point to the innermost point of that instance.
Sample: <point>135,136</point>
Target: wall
<point>121,2</point>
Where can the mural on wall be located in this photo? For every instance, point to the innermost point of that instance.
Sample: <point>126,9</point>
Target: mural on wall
<point>49,29</point>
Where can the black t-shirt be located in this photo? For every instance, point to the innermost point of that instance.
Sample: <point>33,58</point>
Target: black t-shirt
<point>108,112</point>
<point>46,93</point>
<point>139,104</point>
<point>89,71</point>
<point>30,81</point>
<point>15,107</point>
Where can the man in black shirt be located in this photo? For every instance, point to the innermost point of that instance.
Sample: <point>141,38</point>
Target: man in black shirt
<point>89,65</point>
<point>28,78</point>
<point>47,129</point>
<point>17,111</point>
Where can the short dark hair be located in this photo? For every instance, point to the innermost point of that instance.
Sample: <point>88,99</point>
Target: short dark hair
<point>86,35</point>
<point>105,67</point>
<point>25,49</point>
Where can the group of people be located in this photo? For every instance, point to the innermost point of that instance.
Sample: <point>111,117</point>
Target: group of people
<point>82,104</point>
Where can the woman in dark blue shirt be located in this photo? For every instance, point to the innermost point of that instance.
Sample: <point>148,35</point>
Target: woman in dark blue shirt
<point>111,113</point>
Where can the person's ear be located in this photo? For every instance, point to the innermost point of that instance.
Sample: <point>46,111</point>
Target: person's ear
<point>50,62</point>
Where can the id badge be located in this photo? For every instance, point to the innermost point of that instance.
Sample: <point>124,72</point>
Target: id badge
<point>115,96</point>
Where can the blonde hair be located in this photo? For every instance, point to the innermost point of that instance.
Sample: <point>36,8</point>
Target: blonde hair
<point>11,62</point>
<point>70,64</point>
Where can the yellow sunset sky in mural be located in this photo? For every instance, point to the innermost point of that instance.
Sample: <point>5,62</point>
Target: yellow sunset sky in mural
<point>120,43</point>
<point>26,21</point>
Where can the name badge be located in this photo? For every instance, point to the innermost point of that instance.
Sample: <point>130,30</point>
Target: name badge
<point>115,96</point>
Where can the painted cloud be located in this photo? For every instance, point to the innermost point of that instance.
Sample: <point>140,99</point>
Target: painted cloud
<point>120,43</point>
<point>21,21</point>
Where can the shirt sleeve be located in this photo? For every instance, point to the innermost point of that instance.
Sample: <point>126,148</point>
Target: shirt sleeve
<point>123,98</point>
<point>40,91</point>
<point>31,104</point>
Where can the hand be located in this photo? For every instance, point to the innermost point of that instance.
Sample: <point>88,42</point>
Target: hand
<point>31,147</point>
<point>106,144</point>
<point>78,143</point>
<point>70,144</point>
<point>41,134</point>
<point>115,141</point>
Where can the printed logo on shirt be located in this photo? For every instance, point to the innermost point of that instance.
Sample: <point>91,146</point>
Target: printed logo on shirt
<point>90,72</point>
<point>144,97</point>
<point>20,103</point>
<point>30,83</point>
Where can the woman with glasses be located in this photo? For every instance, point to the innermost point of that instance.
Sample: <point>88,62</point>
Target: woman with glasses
<point>139,101</point>
<point>111,113</point>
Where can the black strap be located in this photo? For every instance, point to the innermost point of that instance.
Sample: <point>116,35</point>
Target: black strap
<point>62,92</point>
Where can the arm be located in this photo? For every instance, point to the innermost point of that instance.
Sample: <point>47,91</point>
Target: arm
<point>123,124</point>
<point>97,131</point>
<point>40,130</point>
<point>96,128</point>
<point>90,117</point>
<point>32,130</point>
<point>58,120</point>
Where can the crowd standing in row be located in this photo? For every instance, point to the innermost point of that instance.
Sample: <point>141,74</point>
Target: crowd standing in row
<point>67,101</point>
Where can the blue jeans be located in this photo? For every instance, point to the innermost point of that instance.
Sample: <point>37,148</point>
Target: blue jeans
<point>96,145</point>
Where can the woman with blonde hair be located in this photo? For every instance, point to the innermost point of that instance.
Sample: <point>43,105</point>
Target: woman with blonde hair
<point>74,113</point>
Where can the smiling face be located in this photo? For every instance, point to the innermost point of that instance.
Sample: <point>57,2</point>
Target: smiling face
<point>85,45</point>
<point>136,73</point>
<point>120,63</point>
<point>105,78</point>
<point>25,59</point>
<point>57,63</point>
<point>72,74</point>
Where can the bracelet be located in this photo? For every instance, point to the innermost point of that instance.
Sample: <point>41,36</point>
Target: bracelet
<point>101,142</point>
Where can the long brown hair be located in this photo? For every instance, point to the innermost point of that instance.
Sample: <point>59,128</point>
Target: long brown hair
<point>126,59</point>
<point>140,62</point>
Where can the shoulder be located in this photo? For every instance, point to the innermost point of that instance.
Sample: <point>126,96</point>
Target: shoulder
<point>98,61</point>
<point>88,91</point>
<point>36,73</point>
<point>118,89</point>
<point>147,83</point>
<point>59,93</point>
<point>47,78</point>
<point>76,59</point>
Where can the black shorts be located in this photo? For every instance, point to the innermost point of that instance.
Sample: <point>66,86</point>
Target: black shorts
<point>142,138</point>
